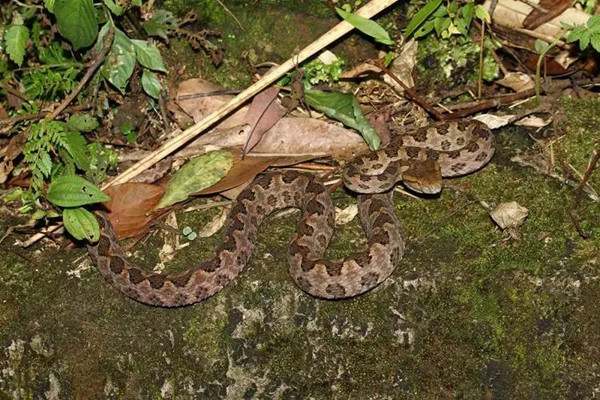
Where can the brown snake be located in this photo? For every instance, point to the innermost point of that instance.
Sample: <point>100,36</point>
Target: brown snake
<point>419,158</point>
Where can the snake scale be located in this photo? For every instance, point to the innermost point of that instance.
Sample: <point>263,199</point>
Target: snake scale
<point>419,159</point>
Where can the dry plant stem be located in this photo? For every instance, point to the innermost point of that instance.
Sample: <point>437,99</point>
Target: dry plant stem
<point>466,109</point>
<point>98,60</point>
<point>10,122</point>
<point>579,191</point>
<point>230,13</point>
<point>412,95</point>
<point>480,77</point>
<point>335,33</point>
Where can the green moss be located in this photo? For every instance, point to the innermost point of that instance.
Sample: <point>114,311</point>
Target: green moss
<point>582,118</point>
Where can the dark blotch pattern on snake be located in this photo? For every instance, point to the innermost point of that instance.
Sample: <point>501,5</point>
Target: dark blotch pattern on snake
<point>433,150</point>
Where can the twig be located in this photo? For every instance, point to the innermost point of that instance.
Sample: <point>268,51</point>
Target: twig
<point>9,122</point>
<point>579,192</point>
<point>480,77</point>
<point>88,75</point>
<point>228,11</point>
<point>206,94</point>
<point>412,95</point>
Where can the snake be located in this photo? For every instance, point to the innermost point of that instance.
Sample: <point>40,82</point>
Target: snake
<point>418,158</point>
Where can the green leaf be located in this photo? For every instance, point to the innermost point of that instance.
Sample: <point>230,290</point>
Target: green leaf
<point>82,122</point>
<point>74,191</point>
<point>593,21</point>
<point>160,24</point>
<point>482,14</point>
<point>468,11</point>
<point>595,41</point>
<point>114,7</point>
<point>151,84</point>
<point>148,55</point>
<point>197,174</point>
<point>120,62</point>
<point>76,146</point>
<point>584,41</point>
<point>49,4</point>
<point>424,29</point>
<point>421,16</point>
<point>345,108</point>
<point>575,34</point>
<point>441,25</point>
<point>367,27</point>
<point>81,224</point>
<point>15,40</point>
<point>77,21</point>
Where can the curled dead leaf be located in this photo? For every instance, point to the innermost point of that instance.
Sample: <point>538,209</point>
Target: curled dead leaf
<point>509,215</point>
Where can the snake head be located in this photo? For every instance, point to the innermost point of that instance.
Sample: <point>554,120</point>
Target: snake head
<point>423,177</point>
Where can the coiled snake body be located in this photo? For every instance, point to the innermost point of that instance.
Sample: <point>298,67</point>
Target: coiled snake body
<point>419,159</point>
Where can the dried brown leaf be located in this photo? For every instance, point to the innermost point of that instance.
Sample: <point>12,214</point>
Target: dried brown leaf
<point>288,136</point>
<point>263,113</point>
<point>131,206</point>
<point>538,17</point>
<point>244,170</point>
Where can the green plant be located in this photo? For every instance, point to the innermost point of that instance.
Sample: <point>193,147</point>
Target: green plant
<point>446,20</point>
<point>71,193</point>
<point>586,34</point>
<point>55,148</point>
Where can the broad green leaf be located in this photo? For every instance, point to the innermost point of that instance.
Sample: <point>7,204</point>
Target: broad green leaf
<point>114,7</point>
<point>82,122</point>
<point>137,3</point>
<point>151,84</point>
<point>81,224</point>
<point>76,146</point>
<point>148,55</point>
<point>77,21</point>
<point>367,27</point>
<point>120,62</point>
<point>421,16</point>
<point>197,174</point>
<point>345,108</point>
<point>74,191</point>
<point>15,40</point>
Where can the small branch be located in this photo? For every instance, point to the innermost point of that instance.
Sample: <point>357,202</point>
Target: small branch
<point>480,77</point>
<point>411,94</point>
<point>579,192</point>
<point>10,122</point>
<point>88,75</point>
<point>230,13</point>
